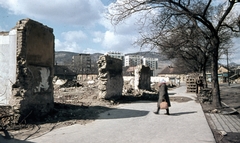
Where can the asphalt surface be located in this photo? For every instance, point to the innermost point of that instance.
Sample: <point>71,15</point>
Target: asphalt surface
<point>136,123</point>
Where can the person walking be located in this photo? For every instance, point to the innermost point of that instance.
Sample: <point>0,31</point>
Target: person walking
<point>163,96</point>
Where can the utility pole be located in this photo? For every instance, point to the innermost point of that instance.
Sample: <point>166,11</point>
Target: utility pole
<point>227,68</point>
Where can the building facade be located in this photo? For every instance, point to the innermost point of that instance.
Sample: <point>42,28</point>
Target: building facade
<point>116,55</point>
<point>151,62</point>
<point>132,60</point>
<point>81,63</point>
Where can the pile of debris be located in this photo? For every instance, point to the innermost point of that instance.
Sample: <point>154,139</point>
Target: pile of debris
<point>71,83</point>
<point>205,96</point>
<point>6,116</point>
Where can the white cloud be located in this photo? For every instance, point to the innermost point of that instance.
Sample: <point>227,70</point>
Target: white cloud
<point>87,13</point>
<point>71,41</point>
<point>77,12</point>
<point>130,25</point>
<point>74,35</point>
<point>110,40</point>
<point>67,46</point>
<point>90,50</point>
<point>117,42</point>
<point>121,37</point>
<point>97,40</point>
<point>98,36</point>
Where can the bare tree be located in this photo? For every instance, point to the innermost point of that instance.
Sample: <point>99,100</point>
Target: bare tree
<point>189,48</point>
<point>163,19</point>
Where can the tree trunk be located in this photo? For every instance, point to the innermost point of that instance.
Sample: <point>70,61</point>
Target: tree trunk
<point>215,84</point>
<point>204,77</point>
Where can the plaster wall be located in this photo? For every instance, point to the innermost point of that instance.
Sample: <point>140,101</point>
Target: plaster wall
<point>7,65</point>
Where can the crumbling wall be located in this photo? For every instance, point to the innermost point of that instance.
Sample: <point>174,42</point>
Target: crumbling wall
<point>142,78</point>
<point>110,76</point>
<point>32,90</point>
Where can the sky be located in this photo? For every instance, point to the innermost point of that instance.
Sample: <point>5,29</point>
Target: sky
<point>80,25</point>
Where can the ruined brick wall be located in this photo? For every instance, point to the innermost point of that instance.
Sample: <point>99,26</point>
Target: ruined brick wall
<point>110,76</point>
<point>32,93</point>
<point>142,77</point>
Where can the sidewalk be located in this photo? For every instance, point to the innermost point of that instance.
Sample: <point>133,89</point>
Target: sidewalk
<point>226,123</point>
<point>136,123</point>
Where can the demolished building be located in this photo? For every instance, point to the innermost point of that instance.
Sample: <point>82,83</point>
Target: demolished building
<point>27,65</point>
<point>142,78</point>
<point>110,77</point>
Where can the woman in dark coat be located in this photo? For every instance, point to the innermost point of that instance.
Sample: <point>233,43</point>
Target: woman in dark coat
<point>163,96</point>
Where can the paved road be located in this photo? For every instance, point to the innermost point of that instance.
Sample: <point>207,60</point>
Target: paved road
<point>136,123</point>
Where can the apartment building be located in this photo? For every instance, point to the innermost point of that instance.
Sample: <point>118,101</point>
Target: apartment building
<point>151,62</point>
<point>132,60</point>
<point>117,55</point>
<point>81,63</point>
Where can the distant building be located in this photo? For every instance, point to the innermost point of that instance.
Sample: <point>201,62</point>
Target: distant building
<point>224,73</point>
<point>81,63</point>
<point>235,78</point>
<point>63,72</point>
<point>132,60</point>
<point>152,63</point>
<point>175,74</point>
<point>117,55</point>
<point>128,71</point>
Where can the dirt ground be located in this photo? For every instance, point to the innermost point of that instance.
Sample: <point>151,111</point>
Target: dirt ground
<point>78,104</point>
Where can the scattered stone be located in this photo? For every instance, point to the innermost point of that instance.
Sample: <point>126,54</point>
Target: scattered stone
<point>215,111</point>
<point>223,133</point>
<point>91,82</point>
<point>71,83</point>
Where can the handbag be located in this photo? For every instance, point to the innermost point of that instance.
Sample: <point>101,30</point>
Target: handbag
<point>164,105</point>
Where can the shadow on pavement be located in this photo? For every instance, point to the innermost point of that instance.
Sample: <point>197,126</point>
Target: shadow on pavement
<point>122,113</point>
<point>172,93</point>
<point>182,113</point>
<point>68,112</point>
<point>10,139</point>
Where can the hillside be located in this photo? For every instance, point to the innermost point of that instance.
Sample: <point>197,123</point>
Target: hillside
<point>150,55</point>
<point>64,58</point>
